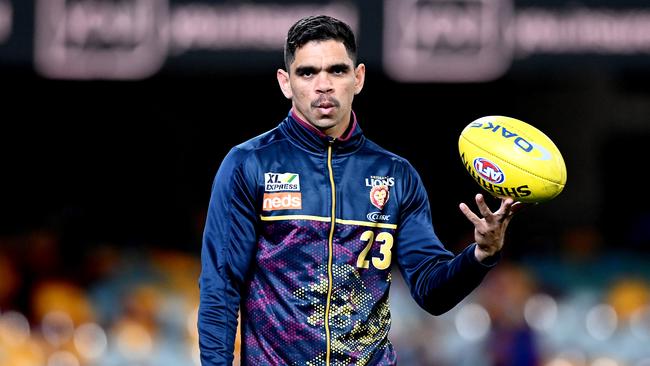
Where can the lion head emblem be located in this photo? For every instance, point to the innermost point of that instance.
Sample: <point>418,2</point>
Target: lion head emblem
<point>379,196</point>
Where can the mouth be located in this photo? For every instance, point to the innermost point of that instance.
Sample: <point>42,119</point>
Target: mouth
<point>325,106</point>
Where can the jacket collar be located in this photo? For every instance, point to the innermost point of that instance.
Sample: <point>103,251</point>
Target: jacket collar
<point>312,139</point>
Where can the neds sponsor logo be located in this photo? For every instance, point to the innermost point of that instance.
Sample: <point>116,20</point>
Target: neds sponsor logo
<point>282,201</point>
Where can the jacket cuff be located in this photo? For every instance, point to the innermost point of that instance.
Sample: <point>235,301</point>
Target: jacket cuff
<point>488,262</point>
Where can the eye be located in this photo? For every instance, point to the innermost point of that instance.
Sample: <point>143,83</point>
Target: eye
<point>339,70</point>
<point>305,72</point>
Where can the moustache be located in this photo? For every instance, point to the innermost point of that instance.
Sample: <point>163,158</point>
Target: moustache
<point>326,101</point>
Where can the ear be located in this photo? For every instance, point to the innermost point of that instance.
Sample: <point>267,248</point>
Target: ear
<point>359,78</point>
<point>283,81</point>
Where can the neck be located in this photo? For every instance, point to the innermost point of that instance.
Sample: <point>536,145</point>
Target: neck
<point>339,131</point>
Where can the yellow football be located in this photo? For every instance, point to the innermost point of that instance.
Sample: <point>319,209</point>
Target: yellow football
<point>508,157</point>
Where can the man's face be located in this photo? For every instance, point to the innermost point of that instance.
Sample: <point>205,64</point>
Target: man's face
<point>321,83</point>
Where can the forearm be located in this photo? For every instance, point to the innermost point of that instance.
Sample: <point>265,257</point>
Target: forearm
<point>442,285</point>
<point>217,319</point>
<point>229,243</point>
<point>216,338</point>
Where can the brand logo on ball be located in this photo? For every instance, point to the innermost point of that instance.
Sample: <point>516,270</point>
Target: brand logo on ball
<point>489,171</point>
<point>379,196</point>
<point>539,152</point>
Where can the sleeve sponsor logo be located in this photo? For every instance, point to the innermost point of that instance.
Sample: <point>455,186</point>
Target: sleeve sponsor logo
<point>277,182</point>
<point>379,196</point>
<point>282,201</point>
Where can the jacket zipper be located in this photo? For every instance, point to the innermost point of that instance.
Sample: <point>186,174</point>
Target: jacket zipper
<point>330,251</point>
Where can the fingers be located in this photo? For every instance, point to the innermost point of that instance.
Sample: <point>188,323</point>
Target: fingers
<point>505,212</point>
<point>482,206</point>
<point>506,204</point>
<point>471,216</point>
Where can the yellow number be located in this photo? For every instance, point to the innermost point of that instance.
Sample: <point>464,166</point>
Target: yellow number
<point>384,250</point>
<point>362,262</point>
<point>387,244</point>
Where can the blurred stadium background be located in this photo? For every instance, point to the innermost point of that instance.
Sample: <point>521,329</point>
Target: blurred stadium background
<point>117,113</point>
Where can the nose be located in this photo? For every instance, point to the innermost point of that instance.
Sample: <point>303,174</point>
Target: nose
<point>324,83</point>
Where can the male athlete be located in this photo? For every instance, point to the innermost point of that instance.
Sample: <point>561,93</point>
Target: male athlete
<point>306,221</point>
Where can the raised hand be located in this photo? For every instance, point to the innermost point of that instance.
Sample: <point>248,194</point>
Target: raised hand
<point>489,230</point>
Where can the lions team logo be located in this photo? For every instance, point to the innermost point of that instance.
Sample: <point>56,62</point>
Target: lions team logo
<point>379,196</point>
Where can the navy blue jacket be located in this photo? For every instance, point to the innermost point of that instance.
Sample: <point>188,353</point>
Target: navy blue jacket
<point>301,235</point>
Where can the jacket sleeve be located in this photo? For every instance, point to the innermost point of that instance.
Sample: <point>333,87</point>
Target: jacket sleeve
<point>229,242</point>
<point>437,279</point>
